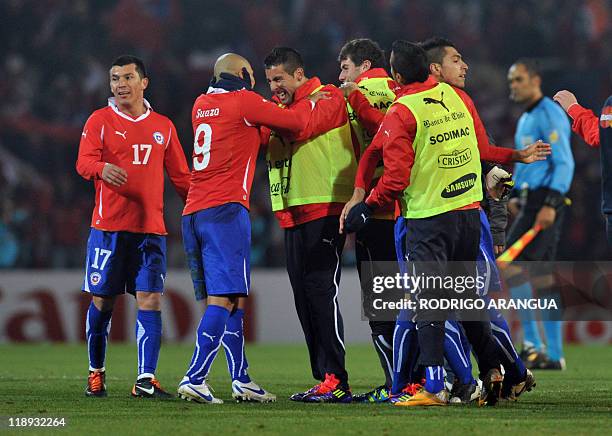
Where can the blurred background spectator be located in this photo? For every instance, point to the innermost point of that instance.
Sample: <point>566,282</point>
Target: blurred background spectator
<point>54,60</point>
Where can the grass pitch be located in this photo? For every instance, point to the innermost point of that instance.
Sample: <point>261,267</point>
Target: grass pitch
<point>49,380</point>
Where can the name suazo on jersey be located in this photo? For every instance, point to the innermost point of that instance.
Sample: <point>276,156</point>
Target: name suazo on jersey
<point>143,147</point>
<point>226,142</point>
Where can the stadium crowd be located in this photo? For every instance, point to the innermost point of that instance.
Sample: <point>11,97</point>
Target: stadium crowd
<point>53,74</point>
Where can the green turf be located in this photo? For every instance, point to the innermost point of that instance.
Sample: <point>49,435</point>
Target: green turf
<point>48,380</point>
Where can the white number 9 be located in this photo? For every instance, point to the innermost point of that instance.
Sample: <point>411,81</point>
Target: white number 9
<point>202,150</point>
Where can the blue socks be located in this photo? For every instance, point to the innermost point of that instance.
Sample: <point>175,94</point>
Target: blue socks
<point>434,379</point>
<point>405,345</point>
<point>456,356</point>
<point>233,342</point>
<point>97,326</point>
<point>528,320</point>
<point>554,339</point>
<point>148,341</point>
<point>208,340</point>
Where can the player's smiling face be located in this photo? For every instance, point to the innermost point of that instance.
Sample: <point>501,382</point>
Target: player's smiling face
<point>126,84</point>
<point>349,71</point>
<point>282,84</point>
<point>453,69</point>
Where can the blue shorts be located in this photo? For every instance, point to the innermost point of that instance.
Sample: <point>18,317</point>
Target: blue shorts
<point>400,243</point>
<point>119,262</point>
<point>486,264</point>
<point>217,243</point>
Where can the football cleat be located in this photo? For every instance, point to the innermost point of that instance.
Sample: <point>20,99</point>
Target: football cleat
<point>198,393</point>
<point>552,364</point>
<point>251,392</point>
<point>464,393</point>
<point>512,392</point>
<point>532,357</point>
<point>491,388</point>
<point>299,396</point>
<point>408,392</point>
<point>425,398</point>
<point>329,391</point>
<point>149,387</point>
<point>96,386</point>
<point>338,395</point>
<point>325,386</point>
<point>377,395</point>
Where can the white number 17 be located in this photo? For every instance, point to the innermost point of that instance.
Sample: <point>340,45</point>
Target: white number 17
<point>105,255</point>
<point>137,149</point>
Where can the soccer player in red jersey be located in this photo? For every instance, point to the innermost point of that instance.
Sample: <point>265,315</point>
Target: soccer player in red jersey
<point>362,63</point>
<point>309,177</point>
<point>597,132</point>
<point>124,149</point>
<point>216,226</point>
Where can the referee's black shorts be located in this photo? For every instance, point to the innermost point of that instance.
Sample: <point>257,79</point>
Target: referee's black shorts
<point>544,246</point>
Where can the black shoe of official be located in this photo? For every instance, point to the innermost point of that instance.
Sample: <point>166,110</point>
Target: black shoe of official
<point>558,365</point>
<point>491,388</point>
<point>464,393</point>
<point>149,388</point>
<point>532,358</point>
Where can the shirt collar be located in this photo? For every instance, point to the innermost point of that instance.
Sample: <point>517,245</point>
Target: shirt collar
<point>306,89</point>
<point>213,90</point>
<point>373,73</point>
<point>533,105</point>
<point>113,104</point>
<point>414,87</point>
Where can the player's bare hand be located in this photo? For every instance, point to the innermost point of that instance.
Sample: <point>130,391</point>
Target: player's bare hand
<point>319,95</point>
<point>358,196</point>
<point>545,217</point>
<point>539,150</point>
<point>114,175</point>
<point>565,99</point>
<point>498,249</point>
<point>514,206</point>
<point>348,87</point>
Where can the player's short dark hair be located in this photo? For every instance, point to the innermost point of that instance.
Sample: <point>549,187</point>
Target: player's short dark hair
<point>129,59</point>
<point>436,48</point>
<point>531,65</point>
<point>410,61</point>
<point>288,57</point>
<point>363,49</point>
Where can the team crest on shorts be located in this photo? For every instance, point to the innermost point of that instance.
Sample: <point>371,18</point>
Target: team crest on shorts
<point>159,138</point>
<point>94,278</point>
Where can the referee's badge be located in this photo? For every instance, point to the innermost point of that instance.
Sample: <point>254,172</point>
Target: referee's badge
<point>553,137</point>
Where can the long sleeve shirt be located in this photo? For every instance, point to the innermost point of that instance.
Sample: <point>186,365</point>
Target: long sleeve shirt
<point>143,147</point>
<point>327,114</point>
<point>393,142</point>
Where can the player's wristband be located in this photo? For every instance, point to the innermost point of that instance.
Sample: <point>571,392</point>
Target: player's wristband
<point>554,199</point>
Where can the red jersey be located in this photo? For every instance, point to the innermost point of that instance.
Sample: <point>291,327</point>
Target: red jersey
<point>393,143</point>
<point>226,142</point>
<point>328,114</point>
<point>585,123</point>
<point>143,147</point>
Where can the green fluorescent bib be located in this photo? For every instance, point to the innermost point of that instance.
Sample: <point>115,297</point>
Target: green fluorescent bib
<point>376,90</point>
<point>446,171</point>
<point>319,170</point>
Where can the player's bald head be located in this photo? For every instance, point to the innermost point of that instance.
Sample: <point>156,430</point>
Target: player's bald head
<point>231,63</point>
